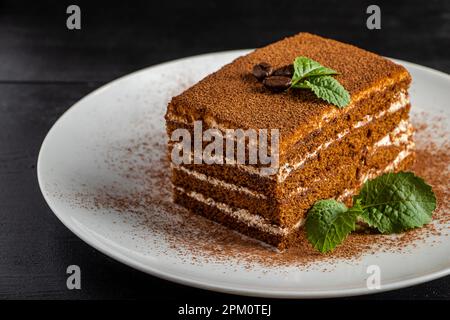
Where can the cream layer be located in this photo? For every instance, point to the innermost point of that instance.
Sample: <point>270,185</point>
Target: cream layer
<point>216,182</point>
<point>243,215</point>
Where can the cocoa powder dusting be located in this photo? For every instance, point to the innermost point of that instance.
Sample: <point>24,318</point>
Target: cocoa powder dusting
<point>142,196</point>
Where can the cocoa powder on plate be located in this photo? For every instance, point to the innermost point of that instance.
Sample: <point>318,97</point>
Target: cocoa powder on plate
<point>143,197</point>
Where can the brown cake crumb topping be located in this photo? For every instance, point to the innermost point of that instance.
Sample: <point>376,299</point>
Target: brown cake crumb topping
<point>234,98</point>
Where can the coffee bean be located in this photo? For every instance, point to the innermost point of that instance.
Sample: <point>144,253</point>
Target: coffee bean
<point>277,83</point>
<point>286,71</point>
<point>262,70</point>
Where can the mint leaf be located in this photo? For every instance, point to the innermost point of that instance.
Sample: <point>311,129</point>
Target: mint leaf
<point>309,74</point>
<point>329,222</point>
<point>328,89</point>
<point>305,67</point>
<point>395,202</point>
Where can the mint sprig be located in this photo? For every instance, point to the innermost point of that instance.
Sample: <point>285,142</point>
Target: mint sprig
<point>391,203</point>
<point>309,74</point>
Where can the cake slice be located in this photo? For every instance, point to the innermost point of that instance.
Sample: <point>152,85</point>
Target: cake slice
<point>323,151</point>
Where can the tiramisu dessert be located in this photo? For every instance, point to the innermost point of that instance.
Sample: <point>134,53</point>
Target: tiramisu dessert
<point>327,148</point>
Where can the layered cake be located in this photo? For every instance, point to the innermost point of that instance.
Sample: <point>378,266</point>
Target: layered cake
<point>323,151</point>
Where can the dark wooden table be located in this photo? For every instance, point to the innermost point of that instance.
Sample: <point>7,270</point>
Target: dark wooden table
<point>45,68</point>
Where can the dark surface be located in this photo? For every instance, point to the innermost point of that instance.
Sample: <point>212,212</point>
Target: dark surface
<point>45,68</point>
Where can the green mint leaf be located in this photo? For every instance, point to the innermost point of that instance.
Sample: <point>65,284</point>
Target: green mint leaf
<point>309,74</point>
<point>329,222</point>
<point>395,202</point>
<point>305,67</point>
<point>328,89</point>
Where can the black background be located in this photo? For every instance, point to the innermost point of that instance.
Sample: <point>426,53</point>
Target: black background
<point>45,68</point>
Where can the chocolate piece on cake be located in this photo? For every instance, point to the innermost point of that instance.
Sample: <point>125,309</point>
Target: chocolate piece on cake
<point>324,151</point>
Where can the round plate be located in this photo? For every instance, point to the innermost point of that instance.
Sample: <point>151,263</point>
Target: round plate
<point>75,154</point>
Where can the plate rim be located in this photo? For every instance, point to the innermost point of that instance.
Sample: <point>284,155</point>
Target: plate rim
<point>224,288</point>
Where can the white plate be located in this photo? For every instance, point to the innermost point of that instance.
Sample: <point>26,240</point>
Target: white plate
<point>73,157</point>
